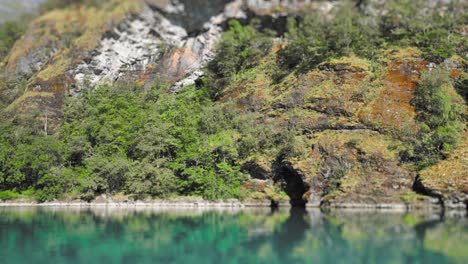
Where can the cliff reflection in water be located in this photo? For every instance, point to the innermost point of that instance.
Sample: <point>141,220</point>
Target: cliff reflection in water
<point>249,236</point>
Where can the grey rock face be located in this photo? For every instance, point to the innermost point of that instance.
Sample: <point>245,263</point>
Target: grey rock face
<point>129,47</point>
<point>162,28</point>
<point>34,61</point>
<point>192,15</point>
<point>176,36</point>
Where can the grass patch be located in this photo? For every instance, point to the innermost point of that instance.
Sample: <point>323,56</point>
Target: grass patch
<point>8,195</point>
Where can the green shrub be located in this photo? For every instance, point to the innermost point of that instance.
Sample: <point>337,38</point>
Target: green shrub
<point>160,145</point>
<point>8,195</point>
<point>151,179</point>
<point>240,48</point>
<point>307,45</point>
<point>436,33</point>
<point>461,84</point>
<point>314,37</point>
<point>439,114</point>
<point>26,157</point>
<point>9,33</point>
<point>58,4</point>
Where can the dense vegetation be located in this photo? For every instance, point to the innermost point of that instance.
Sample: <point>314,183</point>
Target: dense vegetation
<point>57,4</point>
<point>9,33</point>
<point>149,142</point>
<point>241,48</point>
<point>145,142</point>
<point>314,38</point>
<point>440,117</point>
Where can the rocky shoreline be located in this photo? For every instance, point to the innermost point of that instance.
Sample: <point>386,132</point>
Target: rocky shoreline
<point>175,203</point>
<point>229,203</point>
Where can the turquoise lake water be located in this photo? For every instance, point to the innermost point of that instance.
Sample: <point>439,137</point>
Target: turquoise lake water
<point>34,235</point>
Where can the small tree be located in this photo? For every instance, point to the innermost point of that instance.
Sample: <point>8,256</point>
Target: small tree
<point>9,33</point>
<point>240,48</point>
<point>439,114</point>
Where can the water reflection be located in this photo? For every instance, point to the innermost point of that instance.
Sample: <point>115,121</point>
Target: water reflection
<point>35,235</point>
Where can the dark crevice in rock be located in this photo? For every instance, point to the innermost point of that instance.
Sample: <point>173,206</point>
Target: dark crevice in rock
<point>330,110</point>
<point>419,188</point>
<point>274,204</point>
<point>335,167</point>
<point>256,171</point>
<point>278,24</point>
<point>466,206</point>
<point>292,183</point>
<point>192,14</point>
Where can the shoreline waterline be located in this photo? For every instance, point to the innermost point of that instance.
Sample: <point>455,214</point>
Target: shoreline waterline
<point>230,203</point>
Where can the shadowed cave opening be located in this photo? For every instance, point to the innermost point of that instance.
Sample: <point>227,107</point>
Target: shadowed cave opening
<point>292,184</point>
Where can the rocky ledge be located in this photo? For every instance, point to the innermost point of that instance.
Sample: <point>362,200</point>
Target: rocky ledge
<point>103,201</point>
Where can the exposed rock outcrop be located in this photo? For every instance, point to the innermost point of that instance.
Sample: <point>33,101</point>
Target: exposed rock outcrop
<point>343,112</point>
<point>144,40</point>
<point>346,155</point>
<point>177,37</point>
<point>123,40</point>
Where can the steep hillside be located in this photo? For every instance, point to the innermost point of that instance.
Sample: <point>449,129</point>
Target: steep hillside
<point>334,103</point>
<point>349,120</point>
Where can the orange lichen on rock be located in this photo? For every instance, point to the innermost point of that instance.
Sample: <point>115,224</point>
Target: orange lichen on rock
<point>144,77</point>
<point>455,73</point>
<point>392,108</point>
<point>178,63</point>
<point>279,47</point>
<point>58,87</point>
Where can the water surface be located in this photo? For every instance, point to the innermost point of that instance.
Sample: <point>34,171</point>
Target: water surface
<point>35,235</point>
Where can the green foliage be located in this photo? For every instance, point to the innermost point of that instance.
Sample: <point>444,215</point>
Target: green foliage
<point>144,142</point>
<point>461,84</point>
<point>11,87</point>
<point>26,158</point>
<point>58,4</point>
<point>440,117</point>
<point>29,160</point>
<point>152,179</point>
<point>307,47</point>
<point>8,195</point>
<point>240,48</point>
<point>314,37</point>
<point>437,33</point>
<point>9,33</point>
<point>148,142</point>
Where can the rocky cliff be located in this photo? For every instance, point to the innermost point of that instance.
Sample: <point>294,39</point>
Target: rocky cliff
<point>123,40</point>
<point>348,154</point>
